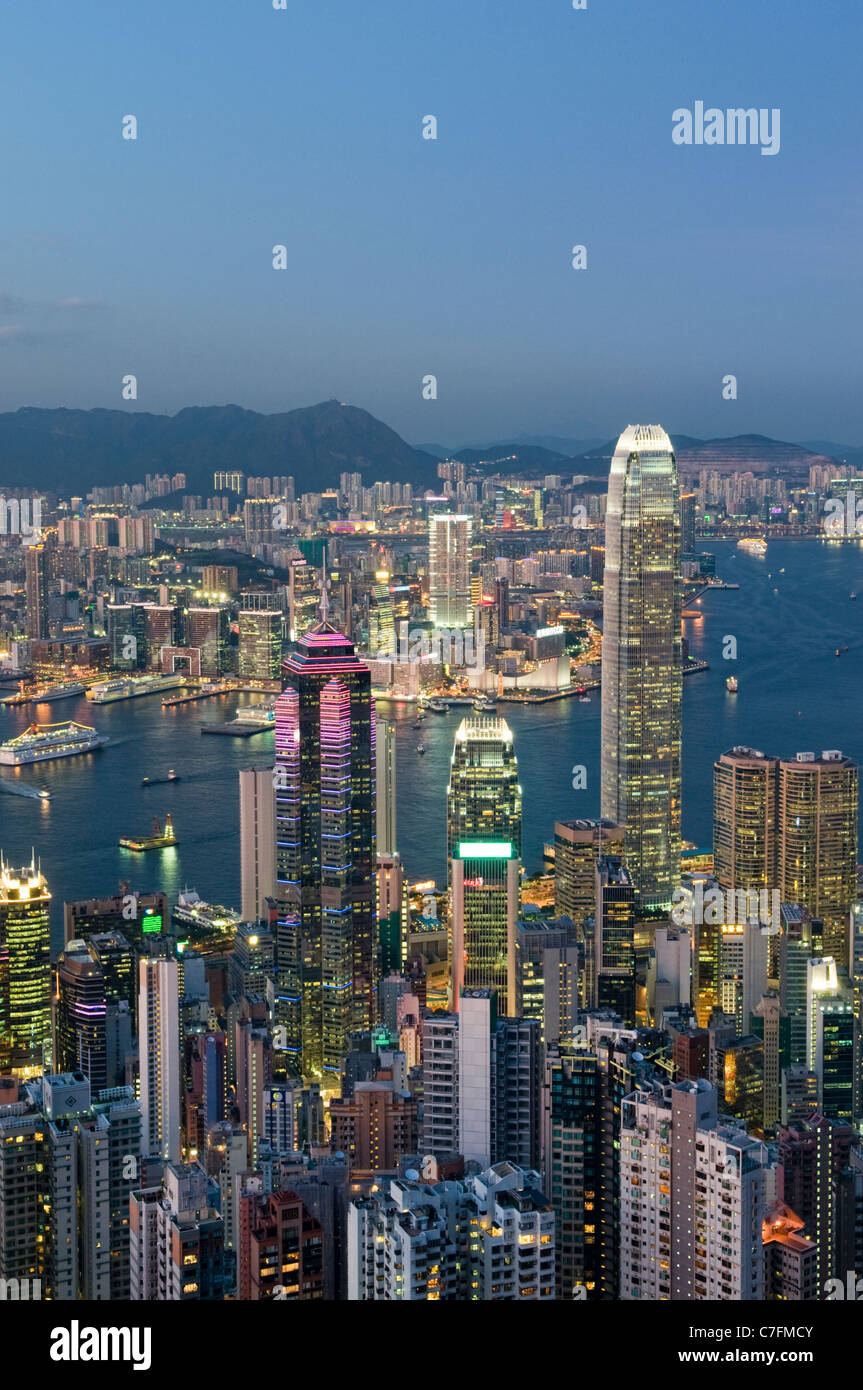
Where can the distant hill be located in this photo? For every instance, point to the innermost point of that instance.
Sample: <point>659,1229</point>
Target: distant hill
<point>744,453</point>
<point>71,451</point>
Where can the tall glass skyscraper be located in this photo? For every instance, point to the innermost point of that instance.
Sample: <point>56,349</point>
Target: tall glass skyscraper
<point>325,851</point>
<point>449,570</point>
<point>484,851</point>
<point>25,969</point>
<point>642,661</point>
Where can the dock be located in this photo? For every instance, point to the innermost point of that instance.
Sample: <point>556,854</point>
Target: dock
<point>205,694</point>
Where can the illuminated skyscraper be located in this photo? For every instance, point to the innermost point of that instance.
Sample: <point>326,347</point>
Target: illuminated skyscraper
<point>385,786</point>
<point>818,812</point>
<point>325,851</point>
<point>36,569</point>
<point>25,968</point>
<point>159,1052</point>
<point>484,850</point>
<point>449,570</point>
<point>80,1017</point>
<point>257,841</point>
<point>744,819</point>
<point>260,645</point>
<point>304,597</point>
<point>614,939</point>
<point>642,671</point>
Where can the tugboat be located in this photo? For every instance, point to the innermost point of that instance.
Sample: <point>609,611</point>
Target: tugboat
<point>731,684</point>
<point>160,781</point>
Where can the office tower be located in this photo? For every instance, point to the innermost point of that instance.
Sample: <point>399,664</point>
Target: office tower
<point>325,837</point>
<point>281,1253</point>
<point>159,1057</point>
<point>740,1080</point>
<point>642,670</point>
<point>450,539</point>
<point>80,1042</point>
<point>25,969</point>
<point>161,623</point>
<point>385,787</point>
<point>304,597</point>
<point>375,1127</point>
<point>799,942</point>
<point>799,1097</point>
<point>614,949</point>
<point>813,1152</point>
<point>771,1025</point>
<point>490,1237</point>
<point>135,915</point>
<point>546,975</point>
<point>669,970</point>
<point>817,841</point>
<point>836,1042</point>
<point>742,974</point>
<point>260,645</point>
<point>745,798</point>
<point>257,841</point>
<point>790,1258</point>
<point>37,580</point>
<point>690,1052</point>
<point>822,984</point>
<point>393,909</point>
<point>484,851</point>
<point>281,1129</point>
<point>252,962</point>
<point>577,846</point>
<point>691,1199</point>
<point>572,1156</point>
<point>687,523</point>
<point>206,632</point>
<point>254,1053</point>
<point>177,1239</point>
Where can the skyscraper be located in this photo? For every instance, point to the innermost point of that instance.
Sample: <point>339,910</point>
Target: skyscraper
<point>744,819</point>
<point>25,968</point>
<point>260,644</point>
<point>80,1018</point>
<point>159,1052</point>
<point>818,812</point>
<point>614,938</point>
<point>325,850</point>
<point>449,570</point>
<point>385,786</point>
<point>36,567</point>
<point>257,841</point>
<point>484,850</point>
<point>642,671</point>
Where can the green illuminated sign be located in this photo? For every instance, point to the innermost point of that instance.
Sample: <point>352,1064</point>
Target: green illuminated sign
<point>152,923</point>
<point>485,849</point>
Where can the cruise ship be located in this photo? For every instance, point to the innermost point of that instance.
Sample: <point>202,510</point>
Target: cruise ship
<point>755,545</point>
<point>56,692</point>
<point>42,742</point>
<point>128,688</point>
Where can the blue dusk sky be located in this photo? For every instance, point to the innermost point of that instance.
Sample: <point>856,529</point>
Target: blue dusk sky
<point>452,257</point>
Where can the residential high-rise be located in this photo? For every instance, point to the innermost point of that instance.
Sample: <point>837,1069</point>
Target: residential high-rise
<point>159,1053</point>
<point>692,1194</point>
<point>812,1155</point>
<point>280,1249</point>
<point>484,851</point>
<point>449,570</point>
<point>818,810</point>
<point>257,841</point>
<point>572,1157</point>
<point>177,1249</point>
<point>642,662</point>
<point>80,1016</point>
<point>25,969</point>
<point>577,846</point>
<point>37,583</point>
<point>546,975</point>
<point>325,851</point>
<point>745,791</point>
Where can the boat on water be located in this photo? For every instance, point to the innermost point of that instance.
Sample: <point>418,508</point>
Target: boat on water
<point>731,684</point>
<point>158,840</point>
<point>44,794</point>
<point>754,545</point>
<point>483,705</point>
<point>840,650</point>
<point>584,699</point>
<point>160,781</point>
<point>46,694</point>
<point>852,595</point>
<point>420,748</point>
<point>128,688</point>
<point>41,742</point>
<point>438,706</point>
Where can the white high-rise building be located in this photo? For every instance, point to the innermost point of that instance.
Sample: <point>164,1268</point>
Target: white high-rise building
<point>257,841</point>
<point>487,1238</point>
<point>691,1199</point>
<point>449,570</point>
<point>822,984</point>
<point>385,787</point>
<point>159,1058</point>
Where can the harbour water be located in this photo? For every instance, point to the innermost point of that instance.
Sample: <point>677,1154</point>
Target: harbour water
<point>793,609</point>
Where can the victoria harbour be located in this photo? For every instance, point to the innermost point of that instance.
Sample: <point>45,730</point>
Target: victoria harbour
<point>792,611</point>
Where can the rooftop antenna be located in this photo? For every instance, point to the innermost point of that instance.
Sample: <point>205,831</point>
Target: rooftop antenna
<point>325,595</point>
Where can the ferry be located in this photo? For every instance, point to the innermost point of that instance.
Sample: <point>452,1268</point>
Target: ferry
<point>42,742</point>
<point>755,545</point>
<point>438,707</point>
<point>483,705</point>
<point>106,692</point>
<point>55,692</point>
<point>264,713</point>
<point>160,781</point>
<point>731,684</point>
<point>420,748</point>
<point>204,918</point>
<point>158,839</point>
<point>840,650</point>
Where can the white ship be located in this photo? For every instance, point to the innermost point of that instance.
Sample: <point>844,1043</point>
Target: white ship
<point>755,545</point>
<point>56,692</point>
<point>128,688</point>
<point>257,714</point>
<point>42,742</point>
